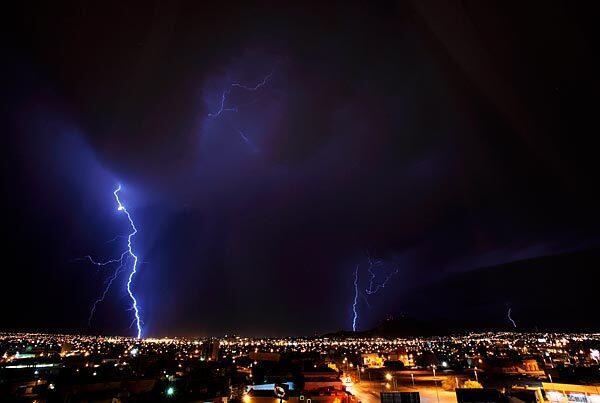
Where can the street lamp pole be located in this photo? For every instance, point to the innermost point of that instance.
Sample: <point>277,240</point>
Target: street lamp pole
<point>390,377</point>
<point>412,377</point>
<point>437,394</point>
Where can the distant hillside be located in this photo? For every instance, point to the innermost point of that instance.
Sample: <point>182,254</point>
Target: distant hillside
<point>406,326</point>
<point>402,326</point>
<point>560,292</point>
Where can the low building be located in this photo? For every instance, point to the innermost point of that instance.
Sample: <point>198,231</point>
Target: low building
<point>401,355</point>
<point>565,392</point>
<point>315,396</point>
<point>527,367</point>
<point>260,356</point>
<point>372,360</point>
<point>322,380</point>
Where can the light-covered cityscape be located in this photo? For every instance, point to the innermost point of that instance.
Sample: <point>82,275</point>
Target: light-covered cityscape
<point>530,367</point>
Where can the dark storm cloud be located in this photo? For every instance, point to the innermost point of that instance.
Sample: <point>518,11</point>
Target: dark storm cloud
<point>374,132</point>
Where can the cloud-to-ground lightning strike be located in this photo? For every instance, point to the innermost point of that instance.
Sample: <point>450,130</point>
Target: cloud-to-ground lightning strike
<point>122,260</point>
<point>372,263</point>
<point>355,305</point>
<point>135,262</point>
<point>510,318</point>
<point>374,288</point>
<point>224,108</point>
<point>381,285</point>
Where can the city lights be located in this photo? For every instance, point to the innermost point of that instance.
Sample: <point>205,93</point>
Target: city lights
<point>350,364</point>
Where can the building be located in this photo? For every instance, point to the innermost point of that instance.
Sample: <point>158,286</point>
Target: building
<point>210,350</point>
<point>259,356</point>
<point>324,379</point>
<point>401,355</point>
<point>372,360</point>
<point>527,367</point>
<point>565,392</point>
<point>322,396</point>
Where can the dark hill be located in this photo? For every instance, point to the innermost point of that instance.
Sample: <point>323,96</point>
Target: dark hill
<point>560,292</point>
<point>553,293</point>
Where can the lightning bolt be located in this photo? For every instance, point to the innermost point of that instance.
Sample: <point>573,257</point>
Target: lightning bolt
<point>247,141</point>
<point>373,264</point>
<point>366,300</point>
<point>105,292</point>
<point>510,318</point>
<point>134,303</point>
<point>355,305</point>
<point>224,108</point>
<point>122,260</point>
<point>373,288</point>
<point>108,262</point>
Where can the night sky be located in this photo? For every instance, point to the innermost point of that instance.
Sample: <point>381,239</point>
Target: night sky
<point>432,138</point>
